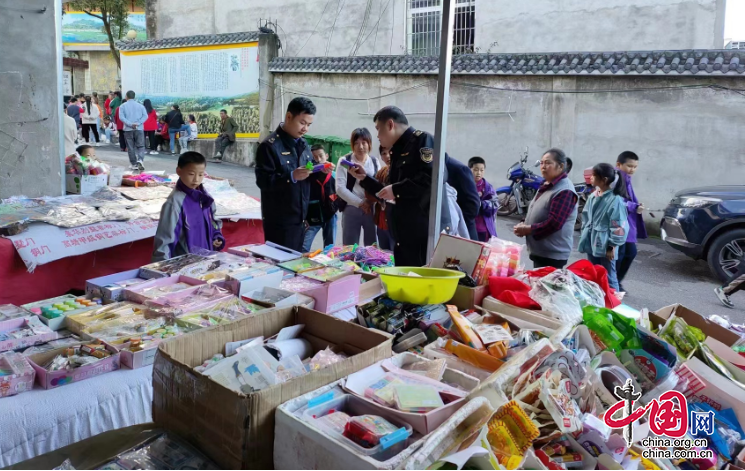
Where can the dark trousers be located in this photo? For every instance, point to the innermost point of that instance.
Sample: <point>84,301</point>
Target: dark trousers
<point>737,281</point>
<point>122,140</point>
<point>626,255</point>
<point>152,142</point>
<point>483,237</point>
<point>471,226</point>
<point>286,235</point>
<point>222,143</point>
<point>159,140</point>
<point>87,128</point>
<point>385,239</point>
<point>411,254</point>
<point>540,262</point>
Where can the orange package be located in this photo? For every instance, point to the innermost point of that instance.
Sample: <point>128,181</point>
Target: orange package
<point>470,355</point>
<point>464,329</point>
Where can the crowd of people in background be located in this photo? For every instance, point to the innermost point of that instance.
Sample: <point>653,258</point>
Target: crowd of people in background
<point>135,126</point>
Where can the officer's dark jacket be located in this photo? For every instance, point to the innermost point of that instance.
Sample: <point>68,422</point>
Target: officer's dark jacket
<point>282,202</point>
<point>411,177</point>
<point>460,177</point>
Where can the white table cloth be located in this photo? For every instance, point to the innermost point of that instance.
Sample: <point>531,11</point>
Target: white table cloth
<point>39,421</point>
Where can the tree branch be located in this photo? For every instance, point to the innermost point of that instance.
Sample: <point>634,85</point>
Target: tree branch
<point>93,14</point>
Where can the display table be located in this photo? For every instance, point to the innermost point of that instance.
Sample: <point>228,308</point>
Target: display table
<point>39,421</point>
<point>18,286</point>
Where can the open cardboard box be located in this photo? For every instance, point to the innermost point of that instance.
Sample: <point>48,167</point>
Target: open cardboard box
<point>336,295</point>
<point>468,298</point>
<point>692,318</point>
<point>237,430</point>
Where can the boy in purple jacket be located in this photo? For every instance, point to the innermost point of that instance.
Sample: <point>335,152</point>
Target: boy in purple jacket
<point>187,220</point>
<point>627,163</point>
<point>485,225</point>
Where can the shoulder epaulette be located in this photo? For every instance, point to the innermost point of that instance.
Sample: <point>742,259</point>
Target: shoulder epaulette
<point>418,133</point>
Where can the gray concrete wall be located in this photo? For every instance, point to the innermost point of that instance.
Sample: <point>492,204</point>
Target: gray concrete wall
<point>598,25</point>
<point>684,138</point>
<point>305,29</point>
<point>30,100</point>
<point>501,25</point>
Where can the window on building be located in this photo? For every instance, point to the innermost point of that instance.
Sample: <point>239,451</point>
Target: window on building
<point>424,24</point>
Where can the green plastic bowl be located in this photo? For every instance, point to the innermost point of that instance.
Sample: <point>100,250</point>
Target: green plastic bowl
<point>433,286</point>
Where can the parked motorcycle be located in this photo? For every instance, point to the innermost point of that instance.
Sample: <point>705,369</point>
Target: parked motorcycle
<point>516,197</point>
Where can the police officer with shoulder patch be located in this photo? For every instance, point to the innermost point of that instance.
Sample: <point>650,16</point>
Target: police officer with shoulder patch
<point>412,153</point>
<point>282,176</point>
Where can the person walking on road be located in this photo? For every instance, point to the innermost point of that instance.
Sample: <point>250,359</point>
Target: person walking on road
<point>228,128</point>
<point>736,283</point>
<point>151,126</point>
<point>89,118</point>
<point>133,115</point>
<point>176,124</point>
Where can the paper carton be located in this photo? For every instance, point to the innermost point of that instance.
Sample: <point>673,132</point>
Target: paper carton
<point>43,333</point>
<point>371,288</point>
<point>469,298</point>
<point>243,282</point>
<point>54,379</point>
<point>470,255</point>
<point>137,294</point>
<point>21,377</point>
<point>105,288</point>
<point>336,295</point>
<point>85,184</point>
<point>516,314</point>
<point>234,429</point>
<point>718,391</point>
<point>692,318</point>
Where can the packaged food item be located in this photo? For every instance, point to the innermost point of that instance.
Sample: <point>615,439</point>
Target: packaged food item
<point>464,329</point>
<point>432,369</point>
<point>336,421</point>
<point>470,355</point>
<point>511,432</point>
<point>368,430</point>
<point>686,338</point>
<point>417,399</point>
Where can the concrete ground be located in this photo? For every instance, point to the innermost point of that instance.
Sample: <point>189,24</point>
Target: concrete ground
<point>659,277</point>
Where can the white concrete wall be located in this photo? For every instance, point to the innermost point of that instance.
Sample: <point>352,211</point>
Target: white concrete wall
<point>501,25</point>
<point>305,29</point>
<point>598,25</point>
<point>684,138</point>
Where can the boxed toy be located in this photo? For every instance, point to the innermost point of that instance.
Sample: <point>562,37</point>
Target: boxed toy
<point>16,374</point>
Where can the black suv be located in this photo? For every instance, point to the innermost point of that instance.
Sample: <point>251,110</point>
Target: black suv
<point>708,223</point>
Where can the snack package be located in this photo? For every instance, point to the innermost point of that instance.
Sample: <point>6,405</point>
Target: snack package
<point>563,409</point>
<point>475,357</point>
<point>367,430</point>
<point>686,338</point>
<point>383,391</point>
<point>466,332</point>
<point>417,399</point>
<point>433,369</point>
<point>335,421</point>
<point>511,432</point>
<point>614,330</point>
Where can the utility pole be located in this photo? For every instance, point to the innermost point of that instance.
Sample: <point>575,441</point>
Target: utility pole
<point>441,124</point>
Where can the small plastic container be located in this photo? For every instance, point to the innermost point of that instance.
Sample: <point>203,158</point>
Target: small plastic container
<point>389,446</point>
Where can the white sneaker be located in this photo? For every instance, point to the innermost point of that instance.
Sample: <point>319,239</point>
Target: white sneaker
<point>140,167</point>
<point>153,152</point>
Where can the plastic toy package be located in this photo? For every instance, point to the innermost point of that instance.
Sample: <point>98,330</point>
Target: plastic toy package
<point>186,301</point>
<point>162,452</point>
<point>173,265</point>
<point>368,430</point>
<point>77,165</point>
<point>10,311</point>
<point>298,284</point>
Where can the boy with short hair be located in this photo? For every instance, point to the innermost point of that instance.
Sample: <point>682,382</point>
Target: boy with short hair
<point>322,204</point>
<point>485,225</point>
<point>628,162</point>
<point>187,220</point>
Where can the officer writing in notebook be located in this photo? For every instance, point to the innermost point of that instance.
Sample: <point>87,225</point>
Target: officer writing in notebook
<point>282,176</point>
<point>412,153</point>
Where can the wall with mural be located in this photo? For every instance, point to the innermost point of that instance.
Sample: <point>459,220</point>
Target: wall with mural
<point>81,29</point>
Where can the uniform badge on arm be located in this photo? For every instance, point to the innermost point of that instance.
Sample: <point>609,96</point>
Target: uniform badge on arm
<point>427,154</point>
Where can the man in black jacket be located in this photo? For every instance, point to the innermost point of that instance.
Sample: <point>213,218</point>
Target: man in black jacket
<point>282,176</point>
<point>460,177</point>
<point>412,153</point>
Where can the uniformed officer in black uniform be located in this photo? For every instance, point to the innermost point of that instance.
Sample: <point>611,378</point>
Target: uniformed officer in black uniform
<point>282,177</point>
<point>412,153</point>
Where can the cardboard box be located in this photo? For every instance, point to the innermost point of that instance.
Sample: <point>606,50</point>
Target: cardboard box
<point>371,288</point>
<point>468,298</point>
<point>470,255</point>
<point>290,298</point>
<point>244,282</point>
<point>43,333</point>
<point>237,430</point>
<point>134,360</point>
<point>22,377</point>
<point>105,288</point>
<point>524,318</point>
<point>85,184</point>
<point>692,318</point>
<point>135,294</point>
<point>718,391</point>
<point>54,379</point>
<point>336,295</point>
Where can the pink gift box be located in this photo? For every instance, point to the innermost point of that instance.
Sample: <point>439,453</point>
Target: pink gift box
<point>23,375</point>
<point>54,379</point>
<point>136,295</point>
<point>176,300</point>
<point>44,333</point>
<point>336,295</point>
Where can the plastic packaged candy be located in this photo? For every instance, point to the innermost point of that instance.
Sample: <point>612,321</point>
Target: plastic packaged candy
<point>504,259</point>
<point>511,432</point>
<point>686,338</point>
<point>368,430</point>
<point>324,358</point>
<point>614,330</point>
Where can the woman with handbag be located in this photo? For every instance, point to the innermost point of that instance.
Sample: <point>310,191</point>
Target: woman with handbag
<point>358,211</point>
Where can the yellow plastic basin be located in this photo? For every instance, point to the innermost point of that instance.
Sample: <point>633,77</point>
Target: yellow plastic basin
<point>433,286</point>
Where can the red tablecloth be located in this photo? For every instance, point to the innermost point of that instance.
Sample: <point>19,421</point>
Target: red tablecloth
<point>18,286</point>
